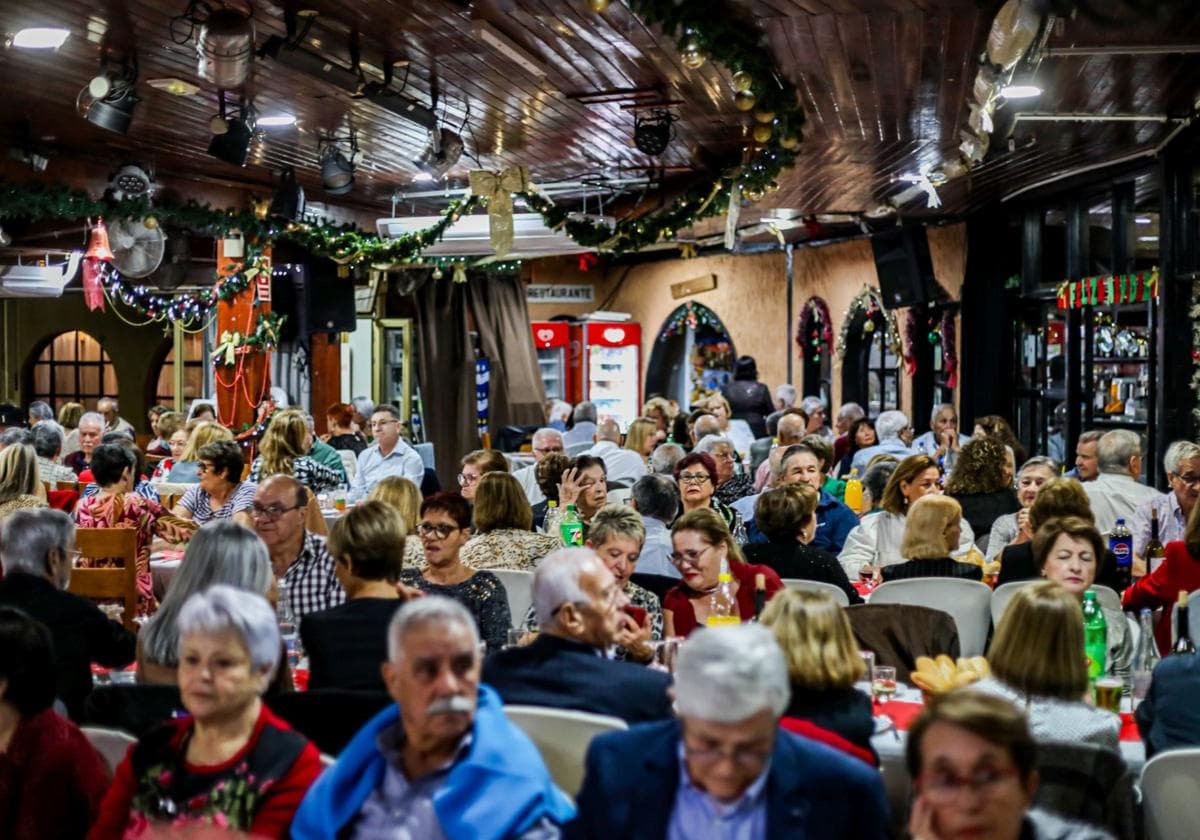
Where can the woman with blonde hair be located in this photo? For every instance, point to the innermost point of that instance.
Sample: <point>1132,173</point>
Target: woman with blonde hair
<point>875,541</point>
<point>68,418</point>
<point>659,410</point>
<point>823,664</point>
<point>282,452</point>
<point>404,497</point>
<point>642,437</point>
<point>503,538</point>
<point>1038,663</point>
<point>702,545</point>
<point>20,480</point>
<point>200,433</point>
<point>931,531</point>
<point>736,430</point>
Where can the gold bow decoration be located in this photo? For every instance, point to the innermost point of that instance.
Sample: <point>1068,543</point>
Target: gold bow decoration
<point>227,347</point>
<point>687,250</point>
<point>460,273</point>
<point>497,189</point>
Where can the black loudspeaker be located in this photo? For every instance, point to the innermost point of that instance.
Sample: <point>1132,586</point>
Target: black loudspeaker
<point>287,293</point>
<point>904,266</point>
<point>330,299</point>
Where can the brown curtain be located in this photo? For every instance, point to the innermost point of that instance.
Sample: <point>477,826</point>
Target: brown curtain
<point>446,371</point>
<point>497,304</point>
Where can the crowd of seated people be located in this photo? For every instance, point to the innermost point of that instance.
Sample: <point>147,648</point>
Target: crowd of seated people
<point>407,601</point>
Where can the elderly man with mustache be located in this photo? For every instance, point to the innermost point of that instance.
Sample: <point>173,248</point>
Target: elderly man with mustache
<point>443,761</point>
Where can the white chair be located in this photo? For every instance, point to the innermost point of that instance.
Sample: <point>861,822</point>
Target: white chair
<point>619,495</point>
<point>519,587</point>
<point>562,737</point>
<point>966,601</point>
<point>821,586</point>
<point>112,744</point>
<point>425,450</point>
<point>349,462</point>
<point>1003,594</point>
<point>1170,790</point>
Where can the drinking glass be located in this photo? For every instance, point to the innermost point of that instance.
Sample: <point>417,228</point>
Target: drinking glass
<point>883,683</point>
<point>1108,693</point>
<point>868,657</point>
<point>339,500</point>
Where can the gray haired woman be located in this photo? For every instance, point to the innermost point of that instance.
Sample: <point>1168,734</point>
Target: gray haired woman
<point>221,552</point>
<point>231,763</point>
<point>1013,528</point>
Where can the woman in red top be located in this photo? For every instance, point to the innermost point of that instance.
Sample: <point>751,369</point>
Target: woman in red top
<point>703,544</point>
<point>232,764</point>
<point>51,780</point>
<point>1179,571</point>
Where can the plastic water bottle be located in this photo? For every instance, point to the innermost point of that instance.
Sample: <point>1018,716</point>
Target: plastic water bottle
<point>1120,543</point>
<point>571,528</point>
<point>854,492</point>
<point>1095,636</point>
<point>722,606</point>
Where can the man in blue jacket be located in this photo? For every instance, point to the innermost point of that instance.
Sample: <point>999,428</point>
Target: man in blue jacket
<point>725,768</point>
<point>444,761</point>
<point>834,520</point>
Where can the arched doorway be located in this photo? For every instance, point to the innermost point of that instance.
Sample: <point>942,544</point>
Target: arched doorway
<point>692,356</point>
<point>160,389</point>
<point>869,350</point>
<point>814,338</point>
<point>69,367</point>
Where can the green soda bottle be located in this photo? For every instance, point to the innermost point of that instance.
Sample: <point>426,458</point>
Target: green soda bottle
<point>571,528</point>
<point>1095,636</point>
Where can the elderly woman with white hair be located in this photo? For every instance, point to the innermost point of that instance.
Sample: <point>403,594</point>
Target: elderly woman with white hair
<point>230,762</point>
<point>818,417</point>
<point>731,485</point>
<point>725,754</point>
<point>890,427</point>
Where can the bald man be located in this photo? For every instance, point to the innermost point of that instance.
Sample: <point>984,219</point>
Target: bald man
<point>623,466</point>
<point>704,426</point>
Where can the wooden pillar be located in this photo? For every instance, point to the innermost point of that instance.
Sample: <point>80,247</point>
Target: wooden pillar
<point>325,359</point>
<point>241,387</point>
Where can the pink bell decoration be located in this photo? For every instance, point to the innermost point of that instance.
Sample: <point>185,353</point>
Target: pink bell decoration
<point>98,251</point>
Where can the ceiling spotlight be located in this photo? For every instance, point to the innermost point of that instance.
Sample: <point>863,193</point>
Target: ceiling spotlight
<point>276,120</point>
<point>444,149</point>
<point>40,38</point>
<point>232,144</point>
<point>653,134</point>
<point>132,181</point>
<point>108,99</point>
<point>1021,91</point>
<point>337,169</point>
<point>288,202</point>
<point>225,47</point>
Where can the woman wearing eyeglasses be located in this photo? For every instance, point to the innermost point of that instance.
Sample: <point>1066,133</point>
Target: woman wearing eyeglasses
<point>730,485</point>
<point>475,465</point>
<point>504,538</point>
<point>221,493</point>
<point>698,479</point>
<point>444,529</point>
<point>701,544</point>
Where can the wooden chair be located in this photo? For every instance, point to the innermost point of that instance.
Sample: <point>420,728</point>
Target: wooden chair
<point>68,485</point>
<point>169,500</point>
<point>104,543</point>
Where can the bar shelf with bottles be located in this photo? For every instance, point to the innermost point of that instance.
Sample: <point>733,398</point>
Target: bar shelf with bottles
<point>1119,358</point>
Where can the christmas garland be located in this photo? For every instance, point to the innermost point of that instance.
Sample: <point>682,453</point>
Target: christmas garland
<point>264,338</point>
<point>1194,312</point>
<point>868,303</point>
<point>944,333</point>
<point>1108,290</point>
<point>691,316</point>
<point>816,329</point>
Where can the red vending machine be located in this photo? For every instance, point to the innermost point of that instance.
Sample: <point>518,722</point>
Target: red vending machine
<point>609,368</point>
<point>552,340</point>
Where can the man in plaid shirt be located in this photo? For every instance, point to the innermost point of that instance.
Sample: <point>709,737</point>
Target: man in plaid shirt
<point>301,562</point>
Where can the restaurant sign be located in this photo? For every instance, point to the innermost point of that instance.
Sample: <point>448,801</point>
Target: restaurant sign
<point>556,293</point>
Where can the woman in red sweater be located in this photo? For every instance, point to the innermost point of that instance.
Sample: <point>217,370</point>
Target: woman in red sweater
<point>232,764</point>
<point>1179,572</point>
<point>702,545</point>
<point>51,780</point>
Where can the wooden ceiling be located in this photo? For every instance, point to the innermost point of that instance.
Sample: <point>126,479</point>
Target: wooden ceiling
<point>885,83</point>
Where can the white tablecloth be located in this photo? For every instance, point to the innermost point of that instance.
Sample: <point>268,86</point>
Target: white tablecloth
<point>163,569</point>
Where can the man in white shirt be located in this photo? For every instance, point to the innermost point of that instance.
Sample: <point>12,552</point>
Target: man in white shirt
<point>943,440</point>
<point>546,441</point>
<point>388,455</point>
<point>1116,492</point>
<point>113,421</point>
<point>623,466</point>
<point>656,498</point>
<point>1182,463</point>
<point>889,427</point>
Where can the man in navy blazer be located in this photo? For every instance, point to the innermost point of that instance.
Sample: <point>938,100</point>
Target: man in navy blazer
<point>725,768</point>
<point>579,606</point>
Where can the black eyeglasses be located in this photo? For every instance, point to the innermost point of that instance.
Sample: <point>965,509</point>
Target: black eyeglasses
<point>271,513</point>
<point>425,529</point>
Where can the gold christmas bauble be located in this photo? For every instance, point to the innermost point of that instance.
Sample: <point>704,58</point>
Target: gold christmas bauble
<point>790,142</point>
<point>693,58</point>
<point>598,6</point>
<point>869,327</point>
<point>764,116</point>
<point>742,81</point>
<point>761,133</point>
<point>744,101</point>
<point>437,272</point>
<point>151,222</point>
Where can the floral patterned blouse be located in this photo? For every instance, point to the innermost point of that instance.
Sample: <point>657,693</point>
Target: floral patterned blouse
<point>508,548</point>
<point>125,510</point>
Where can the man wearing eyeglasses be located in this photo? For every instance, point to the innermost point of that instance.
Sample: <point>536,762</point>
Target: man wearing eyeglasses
<point>580,607</point>
<point>725,768</point>
<point>302,564</point>
<point>546,441</point>
<point>1182,463</point>
<point>388,455</point>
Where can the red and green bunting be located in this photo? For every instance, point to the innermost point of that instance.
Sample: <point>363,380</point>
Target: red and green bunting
<point>1109,290</point>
